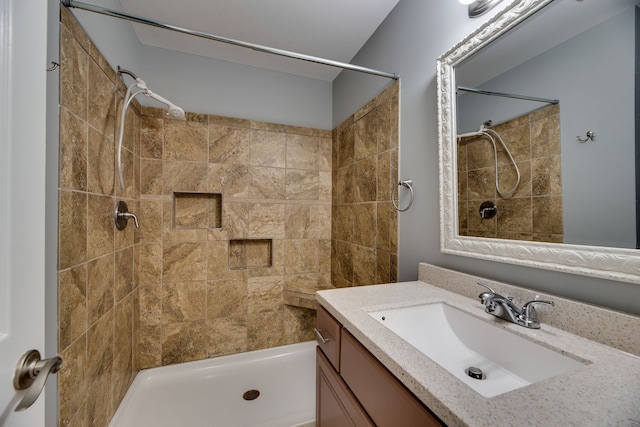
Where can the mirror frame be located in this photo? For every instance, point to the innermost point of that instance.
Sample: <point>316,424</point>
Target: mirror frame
<point>603,262</point>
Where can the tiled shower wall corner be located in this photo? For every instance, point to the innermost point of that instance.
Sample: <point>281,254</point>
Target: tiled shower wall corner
<point>254,206</point>
<point>534,211</point>
<point>364,238</point>
<point>97,292</point>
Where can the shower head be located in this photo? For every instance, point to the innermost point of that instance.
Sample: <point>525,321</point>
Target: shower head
<point>135,89</point>
<point>174,112</point>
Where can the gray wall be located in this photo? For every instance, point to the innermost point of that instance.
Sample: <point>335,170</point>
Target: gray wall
<point>206,85</point>
<point>410,40</point>
<point>598,177</point>
<point>224,88</point>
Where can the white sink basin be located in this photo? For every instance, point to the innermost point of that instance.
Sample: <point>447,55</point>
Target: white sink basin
<point>456,341</point>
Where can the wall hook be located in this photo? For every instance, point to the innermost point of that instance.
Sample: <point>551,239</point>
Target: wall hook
<point>590,137</point>
<point>54,65</point>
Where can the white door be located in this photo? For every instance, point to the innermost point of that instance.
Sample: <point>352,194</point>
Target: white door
<point>23,27</point>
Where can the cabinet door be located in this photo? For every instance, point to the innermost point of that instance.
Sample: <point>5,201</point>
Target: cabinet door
<point>328,336</point>
<point>386,400</point>
<point>335,405</point>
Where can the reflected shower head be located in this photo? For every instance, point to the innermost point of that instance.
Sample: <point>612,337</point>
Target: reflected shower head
<point>486,125</point>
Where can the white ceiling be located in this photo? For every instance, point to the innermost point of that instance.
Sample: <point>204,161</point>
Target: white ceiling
<point>331,29</point>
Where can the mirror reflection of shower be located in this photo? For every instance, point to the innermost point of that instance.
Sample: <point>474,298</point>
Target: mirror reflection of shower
<point>534,211</point>
<point>137,88</point>
<point>486,132</point>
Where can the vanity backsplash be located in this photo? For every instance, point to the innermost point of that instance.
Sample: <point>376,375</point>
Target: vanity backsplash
<point>609,327</point>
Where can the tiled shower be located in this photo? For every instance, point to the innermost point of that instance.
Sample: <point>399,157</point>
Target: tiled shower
<point>240,223</point>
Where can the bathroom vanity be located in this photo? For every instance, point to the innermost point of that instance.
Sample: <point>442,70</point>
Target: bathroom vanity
<point>369,375</point>
<point>354,389</point>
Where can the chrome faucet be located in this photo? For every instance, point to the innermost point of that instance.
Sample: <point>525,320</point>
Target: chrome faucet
<point>504,308</point>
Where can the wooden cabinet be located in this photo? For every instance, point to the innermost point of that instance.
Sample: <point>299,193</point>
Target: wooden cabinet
<point>336,406</point>
<point>328,336</point>
<point>386,400</point>
<point>357,390</point>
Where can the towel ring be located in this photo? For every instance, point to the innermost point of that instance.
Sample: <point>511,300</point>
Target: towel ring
<point>407,184</point>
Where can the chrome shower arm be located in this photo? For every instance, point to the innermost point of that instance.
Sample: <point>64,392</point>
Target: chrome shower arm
<point>122,71</point>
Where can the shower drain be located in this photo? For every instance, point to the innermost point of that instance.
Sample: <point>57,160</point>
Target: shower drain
<point>251,394</point>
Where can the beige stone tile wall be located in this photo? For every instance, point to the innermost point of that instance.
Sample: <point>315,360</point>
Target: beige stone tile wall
<point>364,238</point>
<point>534,211</point>
<point>233,213</point>
<point>97,283</point>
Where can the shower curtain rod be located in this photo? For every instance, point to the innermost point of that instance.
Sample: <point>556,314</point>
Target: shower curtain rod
<point>507,95</point>
<point>256,47</point>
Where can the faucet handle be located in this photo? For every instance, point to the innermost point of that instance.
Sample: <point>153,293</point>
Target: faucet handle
<point>486,286</point>
<point>128,215</point>
<point>529,305</point>
<point>485,297</point>
<point>529,315</point>
<point>122,216</point>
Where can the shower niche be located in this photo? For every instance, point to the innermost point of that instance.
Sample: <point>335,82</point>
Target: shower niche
<point>197,210</point>
<point>193,211</point>
<point>246,254</point>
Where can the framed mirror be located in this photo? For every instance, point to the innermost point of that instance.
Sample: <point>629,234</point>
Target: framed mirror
<point>521,181</point>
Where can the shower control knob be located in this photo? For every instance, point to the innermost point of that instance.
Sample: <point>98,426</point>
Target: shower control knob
<point>488,210</point>
<point>122,216</point>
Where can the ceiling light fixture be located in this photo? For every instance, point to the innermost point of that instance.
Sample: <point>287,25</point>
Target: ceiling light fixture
<point>479,7</point>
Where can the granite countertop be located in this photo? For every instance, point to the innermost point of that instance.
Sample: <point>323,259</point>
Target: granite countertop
<point>605,392</point>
